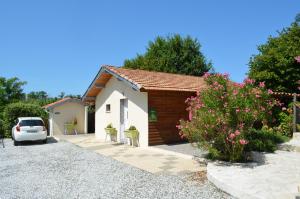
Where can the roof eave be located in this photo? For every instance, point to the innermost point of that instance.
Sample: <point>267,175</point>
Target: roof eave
<point>104,69</point>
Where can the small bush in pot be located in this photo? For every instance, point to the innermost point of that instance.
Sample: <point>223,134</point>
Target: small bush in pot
<point>112,132</point>
<point>133,134</point>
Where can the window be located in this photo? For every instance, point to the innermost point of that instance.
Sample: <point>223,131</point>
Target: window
<point>152,115</point>
<point>107,108</point>
<point>31,123</point>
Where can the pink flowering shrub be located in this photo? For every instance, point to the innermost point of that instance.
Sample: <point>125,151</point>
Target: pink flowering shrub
<point>221,115</point>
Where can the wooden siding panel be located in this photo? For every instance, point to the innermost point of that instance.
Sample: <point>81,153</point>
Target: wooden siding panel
<point>170,107</point>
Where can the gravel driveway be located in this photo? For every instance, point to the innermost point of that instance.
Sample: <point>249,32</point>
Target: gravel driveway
<point>63,170</point>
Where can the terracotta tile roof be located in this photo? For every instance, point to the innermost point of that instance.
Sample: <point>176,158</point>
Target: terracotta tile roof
<point>151,80</point>
<point>61,101</point>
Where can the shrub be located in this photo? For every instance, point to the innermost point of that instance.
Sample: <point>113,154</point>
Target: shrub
<point>221,116</point>
<point>15,110</point>
<point>109,126</point>
<point>131,128</point>
<point>264,140</point>
<point>285,122</point>
<point>1,127</point>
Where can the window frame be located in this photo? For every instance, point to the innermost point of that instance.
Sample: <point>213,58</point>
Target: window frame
<point>107,108</point>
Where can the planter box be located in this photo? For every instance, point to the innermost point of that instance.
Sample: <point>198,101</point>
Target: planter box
<point>112,132</point>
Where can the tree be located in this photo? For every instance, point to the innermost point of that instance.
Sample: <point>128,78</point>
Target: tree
<point>297,18</point>
<point>61,95</point>
<point>276,63</point>
<point>39,95</point>
<point>172,54</point>
<point>11,90</point>
<point>73,96</point>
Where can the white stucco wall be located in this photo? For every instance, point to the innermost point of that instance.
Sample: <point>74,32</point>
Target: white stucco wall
<point>67,112</point>
<point>137,109</point>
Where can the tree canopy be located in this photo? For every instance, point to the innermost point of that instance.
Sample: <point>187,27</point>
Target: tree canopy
<point>172,54</point>
<point>11,90</point>
<point>276,63</point>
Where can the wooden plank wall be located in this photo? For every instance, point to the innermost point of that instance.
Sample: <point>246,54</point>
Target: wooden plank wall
<point>170,107</point>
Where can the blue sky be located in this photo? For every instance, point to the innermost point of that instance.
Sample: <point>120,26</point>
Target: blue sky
<point>59,45</point>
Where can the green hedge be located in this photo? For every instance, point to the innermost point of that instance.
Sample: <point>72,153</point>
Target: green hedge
<point>15,110</point>
<point>264,140</point>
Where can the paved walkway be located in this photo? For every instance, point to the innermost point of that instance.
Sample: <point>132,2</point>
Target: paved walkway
<point>184,148</point>
<point>276,176</point>
<point>151,160</point>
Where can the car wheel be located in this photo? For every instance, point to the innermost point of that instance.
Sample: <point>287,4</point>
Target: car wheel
<point>16,143</point>
<point>45,141</point>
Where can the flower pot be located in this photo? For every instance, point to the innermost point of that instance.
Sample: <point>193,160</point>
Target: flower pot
<point>133,135</point>
<point>112,132</point>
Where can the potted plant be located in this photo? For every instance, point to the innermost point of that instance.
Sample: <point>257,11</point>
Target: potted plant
<point>112,132</point>
<point>133,134</point>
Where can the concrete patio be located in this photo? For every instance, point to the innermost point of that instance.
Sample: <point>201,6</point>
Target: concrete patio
<point>157,161</point>
<point>272,176</point>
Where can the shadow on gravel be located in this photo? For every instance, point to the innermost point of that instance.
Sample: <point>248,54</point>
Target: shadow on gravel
<point>50,140</point>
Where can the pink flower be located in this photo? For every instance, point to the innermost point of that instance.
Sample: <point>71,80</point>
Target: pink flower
<point>257,96</point>
<point>298,59</point>
<point>237,132</point>
<point>261,84</point>
<point>270,91</point>
<point>247,110</point>
<point>206,75</point>
<point>237,110</point>
<point>190,115</point>
<point>243,142</point>
<point>235,92</point>
<point>283,109</point>
<point>226,75</point>
<point>231,135</point>
<point>249,81</point>
<point>179,126</point>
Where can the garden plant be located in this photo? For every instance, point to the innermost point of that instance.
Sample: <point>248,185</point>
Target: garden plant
<point>222,116</point>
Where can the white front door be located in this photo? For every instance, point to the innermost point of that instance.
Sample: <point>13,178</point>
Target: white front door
<point>123,119</point>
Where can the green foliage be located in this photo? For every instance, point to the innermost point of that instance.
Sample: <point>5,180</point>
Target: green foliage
<point>285,123</point>
<point>221,116</point>
<point>264,140</point>
<point>19,109</point>
<point>10,91</point>
<point>275,64</point>
<point>173,55</point>
<point>1,127</point>
<point>109,126</point>
<point>132,128</point>
<point>297,18</point>
<point>37,95</point>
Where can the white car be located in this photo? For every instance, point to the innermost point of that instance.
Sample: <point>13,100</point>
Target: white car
<point>29,129</point>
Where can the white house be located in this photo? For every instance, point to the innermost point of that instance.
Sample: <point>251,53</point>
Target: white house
<point>66,111</point>
<point>153,102</point>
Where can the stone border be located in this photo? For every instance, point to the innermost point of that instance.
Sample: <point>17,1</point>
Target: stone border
<point>225,187</point>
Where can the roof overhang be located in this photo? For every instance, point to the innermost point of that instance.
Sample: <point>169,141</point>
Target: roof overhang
<point>99,82</point>
<point>50,107</point>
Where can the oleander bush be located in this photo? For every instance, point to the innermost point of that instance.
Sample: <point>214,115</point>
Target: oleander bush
<point>222,115</point>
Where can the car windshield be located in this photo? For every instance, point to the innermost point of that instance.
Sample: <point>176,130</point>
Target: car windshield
<point>31,123</point>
